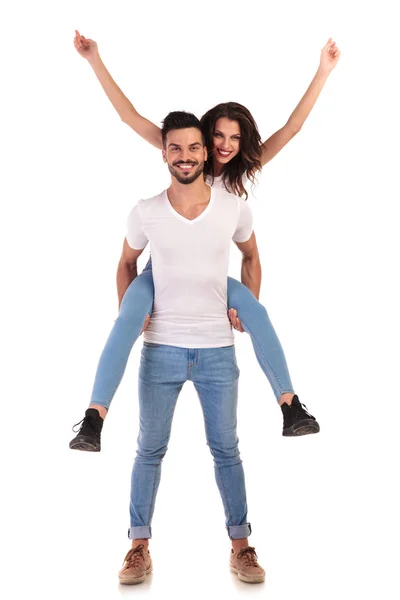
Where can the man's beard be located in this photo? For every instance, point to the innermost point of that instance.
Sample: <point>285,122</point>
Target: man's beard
<point>186,179</point>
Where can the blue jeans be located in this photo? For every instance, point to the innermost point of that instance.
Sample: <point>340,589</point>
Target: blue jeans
<point>138,302</point>
<point>215,375</point>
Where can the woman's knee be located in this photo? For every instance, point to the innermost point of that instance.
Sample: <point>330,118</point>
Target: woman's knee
<point>243,300</point>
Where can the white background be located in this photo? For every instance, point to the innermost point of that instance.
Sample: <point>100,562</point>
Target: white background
<point>324,509</point>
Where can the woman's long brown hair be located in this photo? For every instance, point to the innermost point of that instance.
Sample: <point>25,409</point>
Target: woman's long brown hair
<point>248,160</point>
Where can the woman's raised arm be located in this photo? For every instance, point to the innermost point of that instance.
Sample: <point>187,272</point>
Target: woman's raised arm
<point>129,115</point>
<point>330,55</point>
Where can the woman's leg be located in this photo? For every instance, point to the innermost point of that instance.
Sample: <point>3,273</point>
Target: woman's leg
<point>268,349</point>
<point>136,304</point>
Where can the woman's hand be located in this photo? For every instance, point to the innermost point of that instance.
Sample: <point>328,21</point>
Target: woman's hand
<point>330,55</point>
<point>86,48</point>
<point>235,321</point>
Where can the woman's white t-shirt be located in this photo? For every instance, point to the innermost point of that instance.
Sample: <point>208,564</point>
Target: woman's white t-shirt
<point>218,182</point>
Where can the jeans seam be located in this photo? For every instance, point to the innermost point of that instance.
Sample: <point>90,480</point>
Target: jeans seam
<point>223,483</point>
<point>226,495</point>
<point>153,496</point>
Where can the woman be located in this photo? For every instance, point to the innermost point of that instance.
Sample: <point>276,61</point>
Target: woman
<point>236,154</point>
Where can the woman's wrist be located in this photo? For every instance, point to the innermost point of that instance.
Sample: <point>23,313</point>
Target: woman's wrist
<point>95,60</point>
<point>323,72</point>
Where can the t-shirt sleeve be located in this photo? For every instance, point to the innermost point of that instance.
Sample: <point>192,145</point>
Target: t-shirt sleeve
<point>136,236</point>
<point>244,227</point>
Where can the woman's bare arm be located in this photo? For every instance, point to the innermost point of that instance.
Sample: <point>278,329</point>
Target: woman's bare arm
<point>330,55</point>
<point>129,115</point>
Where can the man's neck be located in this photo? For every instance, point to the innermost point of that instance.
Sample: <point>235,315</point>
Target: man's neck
<point>189,194</point>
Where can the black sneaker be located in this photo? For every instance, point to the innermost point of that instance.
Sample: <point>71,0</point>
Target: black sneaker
<point>88,437</point>
<point>296,420</point>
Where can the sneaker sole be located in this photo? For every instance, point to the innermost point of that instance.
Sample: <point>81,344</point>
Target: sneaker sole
<point>84,444</point>
<point>135,580</point>
<point>248,578</point>
<point>305,427</point>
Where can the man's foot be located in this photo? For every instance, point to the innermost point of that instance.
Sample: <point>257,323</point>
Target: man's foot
<point>296,420</point>
<point>137,564</point>
<point>88,437</point>
<point>244,564</point>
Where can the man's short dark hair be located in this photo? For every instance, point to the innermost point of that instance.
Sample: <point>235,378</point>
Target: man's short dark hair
<point>179,120</point>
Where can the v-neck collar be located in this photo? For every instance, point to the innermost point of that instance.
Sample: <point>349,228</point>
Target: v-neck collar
<point>182,218</point>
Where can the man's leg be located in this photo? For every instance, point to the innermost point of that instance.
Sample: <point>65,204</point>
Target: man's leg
<point>163,371</point>
<point>215,375</point>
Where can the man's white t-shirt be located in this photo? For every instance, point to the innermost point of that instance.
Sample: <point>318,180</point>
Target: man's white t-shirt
<point>190,267</point>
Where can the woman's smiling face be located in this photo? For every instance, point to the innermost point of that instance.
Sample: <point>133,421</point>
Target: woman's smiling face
<point>226,140</point>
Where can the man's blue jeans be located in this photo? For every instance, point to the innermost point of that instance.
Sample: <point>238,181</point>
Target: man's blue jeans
<point>214,372</point>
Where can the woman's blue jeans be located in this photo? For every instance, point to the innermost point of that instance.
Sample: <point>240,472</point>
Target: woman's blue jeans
<point>137,303</point>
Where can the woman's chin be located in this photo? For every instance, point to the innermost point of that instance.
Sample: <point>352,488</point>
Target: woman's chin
<point>223,160</point>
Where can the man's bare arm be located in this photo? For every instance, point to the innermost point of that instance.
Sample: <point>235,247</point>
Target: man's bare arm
<point>127,269</point>
<point>251,266</point>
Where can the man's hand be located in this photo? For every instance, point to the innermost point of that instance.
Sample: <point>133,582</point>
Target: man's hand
<point>330,55</point>
<point>234,319</point>
<point>146,323</point>
<point>86,48</point>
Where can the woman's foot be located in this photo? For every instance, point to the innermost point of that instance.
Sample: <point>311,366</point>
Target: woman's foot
<point>297,420</point>
<point>89,434</point>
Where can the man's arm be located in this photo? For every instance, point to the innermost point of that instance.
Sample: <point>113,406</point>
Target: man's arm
<point>127,269</point>
<point>251,275</point>
<point>251,266</point>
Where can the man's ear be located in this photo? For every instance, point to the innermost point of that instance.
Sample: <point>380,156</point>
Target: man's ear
<point>205,154</point>
<point>164,155</point>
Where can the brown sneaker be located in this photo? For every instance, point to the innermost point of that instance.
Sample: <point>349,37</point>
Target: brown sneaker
<point>244,564</point>
<point>137,564</point>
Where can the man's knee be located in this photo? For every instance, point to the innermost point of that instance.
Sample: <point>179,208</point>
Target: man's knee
<point>151,451</point>
<point>225,449</point>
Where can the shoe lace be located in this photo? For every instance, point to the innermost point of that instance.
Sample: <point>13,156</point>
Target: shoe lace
<point>135,556</point>
<point>306,410</point>
<point>78,424</point>
<point>249,555</point>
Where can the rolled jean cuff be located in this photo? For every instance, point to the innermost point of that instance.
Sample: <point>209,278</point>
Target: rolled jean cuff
<point>239,532</point>
<point>139,533</point>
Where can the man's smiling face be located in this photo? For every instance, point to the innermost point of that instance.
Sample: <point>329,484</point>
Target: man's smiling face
<point>185,154</point>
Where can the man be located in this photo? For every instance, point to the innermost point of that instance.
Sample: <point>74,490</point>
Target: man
<point>189,337</point>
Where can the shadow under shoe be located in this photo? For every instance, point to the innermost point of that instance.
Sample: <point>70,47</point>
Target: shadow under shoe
<point>297,420</point>
<point>89,434</point>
